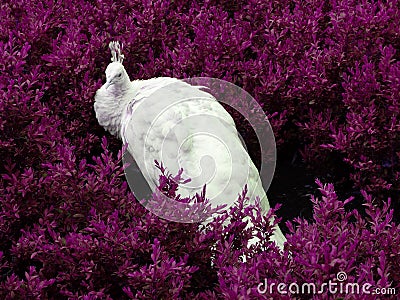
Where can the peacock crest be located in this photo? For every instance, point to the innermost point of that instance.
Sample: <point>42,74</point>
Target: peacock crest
<point>116,51</point>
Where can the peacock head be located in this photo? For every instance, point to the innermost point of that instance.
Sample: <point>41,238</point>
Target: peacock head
<point>116,75</point>
<point>115,72</point>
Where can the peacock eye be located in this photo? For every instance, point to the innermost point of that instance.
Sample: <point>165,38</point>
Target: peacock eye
<point>120,74</point>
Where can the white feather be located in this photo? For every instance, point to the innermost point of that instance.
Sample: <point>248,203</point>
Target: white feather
<point>182,126</point>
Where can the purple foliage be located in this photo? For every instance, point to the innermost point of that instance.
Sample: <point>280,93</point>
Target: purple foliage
<point>326,72</point>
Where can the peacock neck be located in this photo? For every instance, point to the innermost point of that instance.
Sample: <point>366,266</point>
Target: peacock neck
<point>109,107</point>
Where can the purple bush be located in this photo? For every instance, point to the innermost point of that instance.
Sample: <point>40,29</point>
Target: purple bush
<point>326,72</point>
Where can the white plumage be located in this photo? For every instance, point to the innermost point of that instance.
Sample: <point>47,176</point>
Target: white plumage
<point>182,126</point>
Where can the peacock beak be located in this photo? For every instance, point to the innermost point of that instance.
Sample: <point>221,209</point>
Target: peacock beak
<point>108,83</point>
